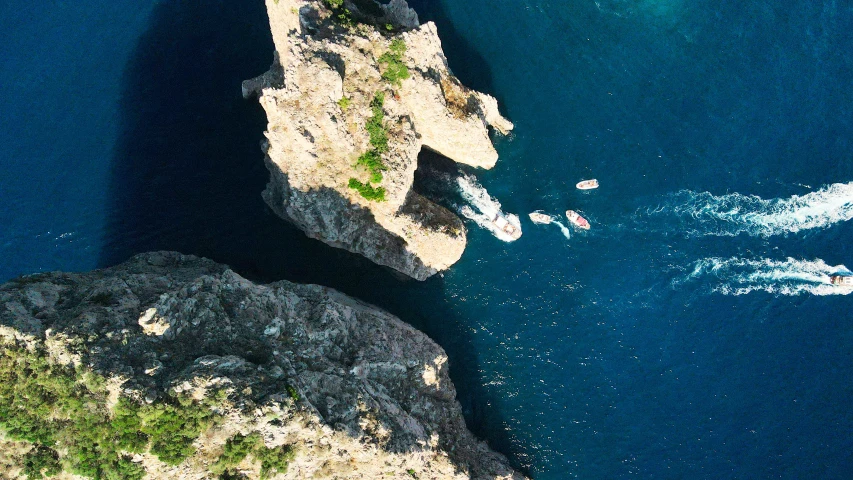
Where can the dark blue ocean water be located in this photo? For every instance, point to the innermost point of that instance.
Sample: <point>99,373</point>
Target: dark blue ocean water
<point>689,334</point>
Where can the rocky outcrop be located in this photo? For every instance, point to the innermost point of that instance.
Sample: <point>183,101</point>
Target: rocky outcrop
<point>356,392</point>
<point>317,96</point>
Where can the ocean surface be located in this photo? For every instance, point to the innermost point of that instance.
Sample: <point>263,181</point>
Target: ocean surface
<point>691,333</point>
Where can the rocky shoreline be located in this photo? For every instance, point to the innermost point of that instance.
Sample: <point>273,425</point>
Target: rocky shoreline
<point>344,389</point>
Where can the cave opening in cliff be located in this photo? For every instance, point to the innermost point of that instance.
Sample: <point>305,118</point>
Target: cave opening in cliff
<point>436,180</point>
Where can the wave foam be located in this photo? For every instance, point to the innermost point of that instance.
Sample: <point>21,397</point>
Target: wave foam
<point>703,214</point>
<point>738,276</point>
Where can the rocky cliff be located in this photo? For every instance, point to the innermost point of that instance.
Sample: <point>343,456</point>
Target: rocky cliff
<point>172,366</point>
<point>356,90</point>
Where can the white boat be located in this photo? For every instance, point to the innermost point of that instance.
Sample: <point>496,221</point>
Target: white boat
<point>587,184</point>
<point>540,218</point>
<point>841,280</point>
<point>503,225</point>
<point>577,220</point>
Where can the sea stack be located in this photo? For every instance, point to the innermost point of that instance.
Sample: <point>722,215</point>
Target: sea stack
<point>356,90</point>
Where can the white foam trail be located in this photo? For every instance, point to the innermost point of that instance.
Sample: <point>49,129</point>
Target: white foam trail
<point>483,207</point>
<point>738,276</point>
<point>563,229</point>
<point>704,214</point>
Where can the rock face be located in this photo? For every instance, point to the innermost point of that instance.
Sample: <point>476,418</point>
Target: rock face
<point>314,138</point>
<point>373,396</point>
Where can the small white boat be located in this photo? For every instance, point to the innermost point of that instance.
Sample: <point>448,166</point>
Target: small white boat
<point>587,184</point>
<point>503,225</point>
<point>577,220</point>
<point>540,218</point>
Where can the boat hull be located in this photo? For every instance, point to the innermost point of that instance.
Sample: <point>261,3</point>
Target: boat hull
<point>540,218</point>
<point>577,220</point>
<point>587,184</point>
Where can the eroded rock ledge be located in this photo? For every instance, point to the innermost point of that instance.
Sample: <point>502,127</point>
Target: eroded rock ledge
<point>314,138</point>
<point>355,392</point>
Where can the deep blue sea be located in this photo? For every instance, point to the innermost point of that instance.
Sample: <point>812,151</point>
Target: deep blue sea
<point>689,334</point>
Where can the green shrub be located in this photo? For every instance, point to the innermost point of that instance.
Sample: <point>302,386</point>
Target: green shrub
<point>237,448</point>
<point>125,469</point>
<point>174,428</point>
<point>368,191</point>
<point>373,162</point>
<point>293,393</point>
<point>372,159</point>
<point>60,410</point>
<point>274,460</point>
<point>128,427</point>
<point>340,14</point>
<point>41,462</point>
<point>344,102</point>
<point>395,70</point>
<point>376,124</point>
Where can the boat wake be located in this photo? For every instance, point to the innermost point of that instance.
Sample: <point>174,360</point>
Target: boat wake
<point>704,214</point>
<point>482,208</point>
<point>548,220</point>
<point>738,276</point>
<point>563,229</point>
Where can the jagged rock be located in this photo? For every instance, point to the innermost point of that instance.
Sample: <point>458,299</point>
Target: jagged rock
<point>312,142</point>
<point>374,396</point>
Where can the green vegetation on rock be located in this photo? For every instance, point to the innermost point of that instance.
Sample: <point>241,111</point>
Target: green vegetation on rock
<point>59,409</point>
<point>340,13</point>
<point>273,460</point>
<point>367,190</point>
<point>395,70</point>
<point>344,102</point>
<point>376,124</point>
<point>372,159</point>
<point>237,448</point>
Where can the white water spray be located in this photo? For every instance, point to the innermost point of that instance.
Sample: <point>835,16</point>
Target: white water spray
<point>738,276</point>
<point>703,214</point>
<point>482,207</point>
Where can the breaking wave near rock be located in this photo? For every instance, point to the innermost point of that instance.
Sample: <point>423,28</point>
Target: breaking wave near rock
<point>704,214</point>
<point>482,208</point>
<point>738,276</point>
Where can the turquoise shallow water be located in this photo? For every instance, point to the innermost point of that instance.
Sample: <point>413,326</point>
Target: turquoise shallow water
<point>689,334</point>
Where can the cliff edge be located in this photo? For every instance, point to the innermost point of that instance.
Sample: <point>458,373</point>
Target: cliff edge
<point>356,90</point>
<point>173,366</point>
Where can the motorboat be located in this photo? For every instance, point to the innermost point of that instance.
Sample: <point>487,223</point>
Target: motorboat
<point>577,220</point>
<point>842,280</point>
<point>540,218</point>
<point>502,223</point>
<point>587,184</point>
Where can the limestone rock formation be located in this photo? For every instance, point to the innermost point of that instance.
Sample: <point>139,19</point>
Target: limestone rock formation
<point>318,98</point>
<point>353,390</point>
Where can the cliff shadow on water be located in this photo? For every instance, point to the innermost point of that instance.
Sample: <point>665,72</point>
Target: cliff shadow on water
<point>188,173</point>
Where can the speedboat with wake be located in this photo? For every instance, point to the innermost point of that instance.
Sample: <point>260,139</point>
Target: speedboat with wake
<point>842,279</point>
<point>540,218</point>
<point>502,223</point>
<point>577,220</point>
<point>587,184</point>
